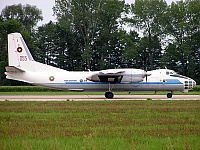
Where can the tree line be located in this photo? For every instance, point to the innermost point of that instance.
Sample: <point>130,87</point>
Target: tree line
<point>91,35</point>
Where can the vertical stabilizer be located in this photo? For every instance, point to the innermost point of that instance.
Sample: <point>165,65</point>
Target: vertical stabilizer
<point>18,52</point>
<point>20,57</point>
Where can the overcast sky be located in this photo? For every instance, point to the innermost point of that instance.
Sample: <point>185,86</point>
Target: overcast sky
<point>45,5</point>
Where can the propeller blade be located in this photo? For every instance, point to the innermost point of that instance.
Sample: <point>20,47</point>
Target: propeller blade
<point>146,75</point>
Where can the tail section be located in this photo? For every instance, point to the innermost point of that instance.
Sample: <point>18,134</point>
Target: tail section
<point>20,58</point>
<point>22,66</point>
<point>18,53</point>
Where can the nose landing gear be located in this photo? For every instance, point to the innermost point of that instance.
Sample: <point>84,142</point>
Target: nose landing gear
<point>169,95</point>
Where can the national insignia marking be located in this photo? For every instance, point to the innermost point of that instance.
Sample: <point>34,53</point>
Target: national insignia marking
<point>19,49</point>
<point>51,78</point>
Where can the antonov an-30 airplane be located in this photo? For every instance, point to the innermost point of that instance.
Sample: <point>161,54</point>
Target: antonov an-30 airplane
<point>22,67</point>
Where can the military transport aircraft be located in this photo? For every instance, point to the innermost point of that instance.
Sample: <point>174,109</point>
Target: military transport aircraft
<point>22,67</point>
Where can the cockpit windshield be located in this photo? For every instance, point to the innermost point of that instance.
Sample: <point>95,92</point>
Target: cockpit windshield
<point>174,74</point>
<point>171,73</point>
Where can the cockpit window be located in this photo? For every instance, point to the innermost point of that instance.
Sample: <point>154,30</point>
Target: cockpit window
<point>173,72</point>
<point>179,76</point>
<point>170,73</point>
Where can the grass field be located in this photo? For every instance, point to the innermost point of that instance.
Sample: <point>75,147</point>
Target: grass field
<point>109,125</point>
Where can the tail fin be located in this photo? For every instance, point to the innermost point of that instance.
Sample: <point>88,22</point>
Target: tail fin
<point>20,58</point>
<point>18,52</point>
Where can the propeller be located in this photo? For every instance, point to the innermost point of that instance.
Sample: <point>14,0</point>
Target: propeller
<point>145,68</point>
<point>146,75</point>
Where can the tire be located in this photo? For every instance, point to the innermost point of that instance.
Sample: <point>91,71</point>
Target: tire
<point>109,95</point>
<point>169,95</point>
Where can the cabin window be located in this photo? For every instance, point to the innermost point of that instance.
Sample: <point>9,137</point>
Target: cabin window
<point>167,72</point>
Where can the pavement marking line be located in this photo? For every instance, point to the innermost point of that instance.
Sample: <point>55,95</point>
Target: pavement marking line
<point>94,97</point>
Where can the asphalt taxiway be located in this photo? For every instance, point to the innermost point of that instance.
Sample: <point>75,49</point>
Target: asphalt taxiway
<point>95,97</point>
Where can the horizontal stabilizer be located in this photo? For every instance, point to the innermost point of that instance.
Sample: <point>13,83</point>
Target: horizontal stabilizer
<point>13,69</point>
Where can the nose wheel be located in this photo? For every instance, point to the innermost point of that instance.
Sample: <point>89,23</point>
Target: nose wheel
<point>109,95</point>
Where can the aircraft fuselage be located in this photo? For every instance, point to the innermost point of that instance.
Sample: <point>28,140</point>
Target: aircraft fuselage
<point>23,67</point>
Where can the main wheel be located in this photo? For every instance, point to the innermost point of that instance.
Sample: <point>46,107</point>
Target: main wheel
<point>169,95</point>
<point>109,95</point>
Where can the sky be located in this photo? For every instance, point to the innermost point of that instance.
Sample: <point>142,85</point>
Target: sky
<point>46,7</point>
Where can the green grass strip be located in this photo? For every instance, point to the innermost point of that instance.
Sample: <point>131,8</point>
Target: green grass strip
<point>100,125</point>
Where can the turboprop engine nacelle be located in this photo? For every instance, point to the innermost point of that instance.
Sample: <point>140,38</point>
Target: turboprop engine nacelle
<point>134,75</point>
<point>118,75</point>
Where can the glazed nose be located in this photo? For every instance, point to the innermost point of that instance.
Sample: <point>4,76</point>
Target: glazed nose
<point>189,84</point>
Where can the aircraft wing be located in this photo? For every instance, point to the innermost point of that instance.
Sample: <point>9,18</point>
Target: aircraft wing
<point>106,76</point>
<point>13,69</point>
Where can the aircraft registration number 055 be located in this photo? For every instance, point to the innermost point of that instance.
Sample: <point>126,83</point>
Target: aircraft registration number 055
<point>23,58</point>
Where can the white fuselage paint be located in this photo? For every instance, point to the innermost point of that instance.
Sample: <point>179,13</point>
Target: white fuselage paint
<point>76,81</point>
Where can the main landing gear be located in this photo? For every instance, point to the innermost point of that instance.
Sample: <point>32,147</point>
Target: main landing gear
<point>109,95</point>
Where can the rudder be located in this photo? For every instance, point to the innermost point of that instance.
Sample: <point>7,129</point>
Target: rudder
<point>18,52</point>
<point>20,58</point>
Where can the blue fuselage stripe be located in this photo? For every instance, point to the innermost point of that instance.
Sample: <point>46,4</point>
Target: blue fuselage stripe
<point>168,81</point>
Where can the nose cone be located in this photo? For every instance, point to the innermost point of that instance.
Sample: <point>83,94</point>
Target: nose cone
<point>194,83</point>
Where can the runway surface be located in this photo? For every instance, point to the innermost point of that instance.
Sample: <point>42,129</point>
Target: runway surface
<point>95,97</point>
